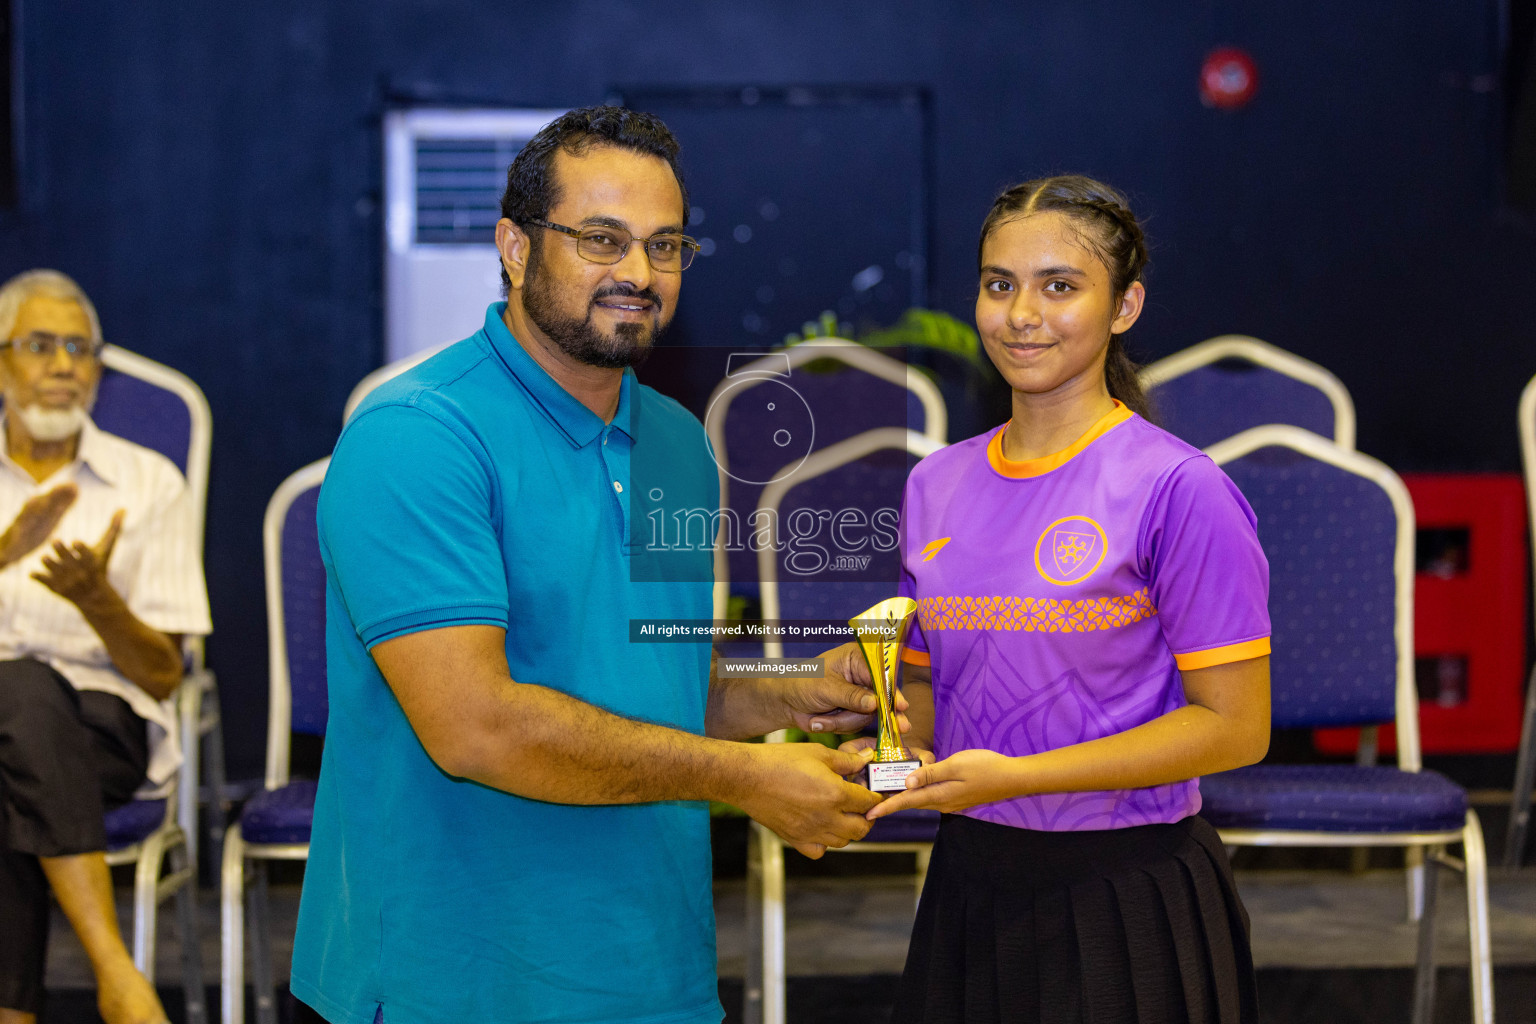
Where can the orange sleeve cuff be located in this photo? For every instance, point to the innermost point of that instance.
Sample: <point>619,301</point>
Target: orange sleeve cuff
<point>1223,655</point>
<point>912,657</point>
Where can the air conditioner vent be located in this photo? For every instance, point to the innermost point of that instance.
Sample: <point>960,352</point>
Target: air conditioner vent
<point>458,188</point>
<point>444,172</point>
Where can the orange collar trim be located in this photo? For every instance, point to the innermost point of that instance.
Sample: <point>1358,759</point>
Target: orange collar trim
<point>1039,467</point>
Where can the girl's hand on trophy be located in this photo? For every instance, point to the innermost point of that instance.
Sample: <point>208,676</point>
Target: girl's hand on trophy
<point>963,779</point>
<point>861,743</point>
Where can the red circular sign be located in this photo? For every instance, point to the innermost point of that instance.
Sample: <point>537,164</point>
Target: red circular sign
<point>1228,78</point>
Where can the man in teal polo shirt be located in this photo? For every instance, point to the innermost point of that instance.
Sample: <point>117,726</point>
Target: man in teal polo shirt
<point>511,822</point>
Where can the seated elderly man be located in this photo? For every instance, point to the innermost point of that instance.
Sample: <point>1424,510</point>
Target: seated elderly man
<point>99,580</point>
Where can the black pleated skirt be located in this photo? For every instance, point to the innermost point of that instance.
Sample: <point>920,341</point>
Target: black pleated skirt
<point>1125,926</point>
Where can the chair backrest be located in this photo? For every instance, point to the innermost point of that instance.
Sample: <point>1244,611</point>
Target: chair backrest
<point>864,474</point>
<point>384,373</point>
<point>295,581</point>
<point>1223,386</point>
<point>869,390</point>
<point>155,406</point>
<point>1338,530</point>
<point>1526,422</point>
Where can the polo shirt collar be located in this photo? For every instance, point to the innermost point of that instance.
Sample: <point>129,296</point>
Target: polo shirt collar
<point>90,452</point>
<point>580,425</point>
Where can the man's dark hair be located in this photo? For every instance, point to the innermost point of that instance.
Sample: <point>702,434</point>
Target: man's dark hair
<point>531,186</point>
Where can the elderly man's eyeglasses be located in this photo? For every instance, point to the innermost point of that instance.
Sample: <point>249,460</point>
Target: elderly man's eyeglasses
<point>42,345</point>
<point>668,252</point>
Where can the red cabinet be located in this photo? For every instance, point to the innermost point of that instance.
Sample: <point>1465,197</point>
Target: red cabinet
<point>1469,615</point>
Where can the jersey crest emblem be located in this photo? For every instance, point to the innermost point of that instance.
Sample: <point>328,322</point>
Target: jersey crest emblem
<point>1070,550</point>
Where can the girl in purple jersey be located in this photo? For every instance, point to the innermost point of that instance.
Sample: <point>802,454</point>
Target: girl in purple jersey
<point>1092,636</point>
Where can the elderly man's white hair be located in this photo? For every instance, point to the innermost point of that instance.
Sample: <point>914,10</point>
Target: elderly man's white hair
<point>15,292</point>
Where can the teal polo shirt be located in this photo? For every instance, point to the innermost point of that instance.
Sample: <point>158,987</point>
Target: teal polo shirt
<point>474,489</point>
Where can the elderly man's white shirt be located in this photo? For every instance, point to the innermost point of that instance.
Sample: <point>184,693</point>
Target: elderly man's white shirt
<point>155,566</point>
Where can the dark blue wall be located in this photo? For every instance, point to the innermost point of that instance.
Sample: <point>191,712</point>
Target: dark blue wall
<point>211,174</point>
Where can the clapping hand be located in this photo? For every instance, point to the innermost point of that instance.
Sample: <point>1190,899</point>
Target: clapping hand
<point>78,571</point>
<point>35,523</point>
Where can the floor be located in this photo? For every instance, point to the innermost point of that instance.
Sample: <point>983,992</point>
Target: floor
<point>847,940</point>
<point>854,926</point>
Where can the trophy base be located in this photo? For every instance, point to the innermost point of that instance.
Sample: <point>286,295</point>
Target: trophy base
<point>890,776</point>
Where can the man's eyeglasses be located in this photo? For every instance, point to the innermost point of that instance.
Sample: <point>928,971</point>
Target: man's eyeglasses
<point>668,252</point>
<point>42,345</point>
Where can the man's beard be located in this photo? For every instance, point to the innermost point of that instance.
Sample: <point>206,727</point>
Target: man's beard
<point>630,343</point>
<point>49,425</point>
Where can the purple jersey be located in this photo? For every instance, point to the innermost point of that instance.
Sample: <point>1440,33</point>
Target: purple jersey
<point>1058,598</point>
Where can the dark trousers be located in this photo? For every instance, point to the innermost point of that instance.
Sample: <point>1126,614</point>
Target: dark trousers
<point>65,757</point>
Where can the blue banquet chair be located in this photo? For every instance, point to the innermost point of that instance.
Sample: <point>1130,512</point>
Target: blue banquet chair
<point>1338,530</point>
<point>864,473</point>
<point>147,833</point>
<point>1220,387</point>
<point>275,823</point>
<point>868,390</point>
<point>153,405</point>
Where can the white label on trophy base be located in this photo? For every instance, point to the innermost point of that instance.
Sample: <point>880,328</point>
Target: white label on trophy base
<point>890,776</point>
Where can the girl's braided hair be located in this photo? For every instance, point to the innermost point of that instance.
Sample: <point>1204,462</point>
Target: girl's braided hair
<point>1114,236</point>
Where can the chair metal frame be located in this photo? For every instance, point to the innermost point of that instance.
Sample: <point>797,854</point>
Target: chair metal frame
<point>1271,357</point>
<point>200,441</point>
<point>765,984</point>
<point>152,885</point>
<point>176,838</point>
<point>1525,761</point>
<point>771,367</point>
<point>204,721</point>
<point>244,864</point>
<point>1431,845</point>
<point>384,373</point>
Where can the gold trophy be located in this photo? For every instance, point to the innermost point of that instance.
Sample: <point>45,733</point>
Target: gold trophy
<point>881,632</point>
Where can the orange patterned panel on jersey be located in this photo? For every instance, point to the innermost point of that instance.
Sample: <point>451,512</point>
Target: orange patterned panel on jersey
<point>1034,614</point>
